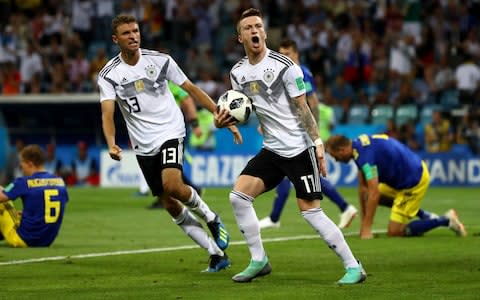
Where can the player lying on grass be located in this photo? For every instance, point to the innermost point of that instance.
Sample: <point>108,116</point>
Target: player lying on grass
<point>393,175</point>
<point>44,197</point>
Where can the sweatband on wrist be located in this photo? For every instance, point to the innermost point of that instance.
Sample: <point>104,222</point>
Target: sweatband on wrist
<point>318,142</point>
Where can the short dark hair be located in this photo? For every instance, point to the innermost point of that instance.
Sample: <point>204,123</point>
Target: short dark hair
<point>248,13</point>
<point>34,154</point>
<point>120,20</point>
<point>336,142</point>
<point>289,43</point>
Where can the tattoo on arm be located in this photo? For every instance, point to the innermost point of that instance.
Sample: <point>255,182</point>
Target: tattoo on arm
<point>306,117</point>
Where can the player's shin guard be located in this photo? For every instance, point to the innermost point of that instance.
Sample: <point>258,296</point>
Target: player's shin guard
<point>332,236</point>
<point>248,223</point>
<point>199,207</point>
<point>195,231</point>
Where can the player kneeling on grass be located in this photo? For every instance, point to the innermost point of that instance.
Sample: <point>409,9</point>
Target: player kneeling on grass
<point>393,175</point>
<point>44,197</point>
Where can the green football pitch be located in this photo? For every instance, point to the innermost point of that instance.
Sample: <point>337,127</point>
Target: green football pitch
<point>112,247</point>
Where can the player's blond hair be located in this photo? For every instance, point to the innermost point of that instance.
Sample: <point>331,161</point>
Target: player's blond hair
<point>33,154</point>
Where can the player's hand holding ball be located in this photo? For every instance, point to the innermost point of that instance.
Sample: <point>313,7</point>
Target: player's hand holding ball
<point>237,104</point>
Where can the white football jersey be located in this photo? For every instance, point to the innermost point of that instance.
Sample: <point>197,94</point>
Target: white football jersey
<point>272,84</point>
<point>147,105</point>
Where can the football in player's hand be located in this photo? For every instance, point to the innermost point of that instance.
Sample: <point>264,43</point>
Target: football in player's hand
<point>238,105</point>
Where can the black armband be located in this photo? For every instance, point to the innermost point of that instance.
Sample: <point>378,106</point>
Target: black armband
<point>194,123</point>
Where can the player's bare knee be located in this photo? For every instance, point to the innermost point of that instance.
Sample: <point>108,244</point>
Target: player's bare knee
<point>174,188</point>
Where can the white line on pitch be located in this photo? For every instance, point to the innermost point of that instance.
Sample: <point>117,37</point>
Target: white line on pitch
<point>165,249</point>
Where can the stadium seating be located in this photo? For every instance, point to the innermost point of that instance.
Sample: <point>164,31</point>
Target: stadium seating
<point>382,113</point>
<point>405,113</point>
<point>449,99</point>
<point>426,113</point>
<point>358,114</point>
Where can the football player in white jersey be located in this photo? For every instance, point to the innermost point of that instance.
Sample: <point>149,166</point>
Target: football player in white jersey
<point>292,147</point>
<point>137,80</point>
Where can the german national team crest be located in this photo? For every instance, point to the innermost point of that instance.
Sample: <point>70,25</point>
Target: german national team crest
<point>151,71</point>
<point>139,85</point>
<point>268,75</point>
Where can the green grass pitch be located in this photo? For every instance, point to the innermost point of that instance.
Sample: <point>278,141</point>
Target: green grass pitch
<point>112,247</point>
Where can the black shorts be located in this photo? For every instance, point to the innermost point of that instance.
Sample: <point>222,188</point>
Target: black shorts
<point>302,170</point>
<point>170,156</point>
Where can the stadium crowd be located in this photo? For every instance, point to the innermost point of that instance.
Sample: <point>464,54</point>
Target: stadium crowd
<point>385,58</point>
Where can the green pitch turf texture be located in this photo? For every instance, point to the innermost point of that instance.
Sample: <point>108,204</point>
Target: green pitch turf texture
<point>112,247</point>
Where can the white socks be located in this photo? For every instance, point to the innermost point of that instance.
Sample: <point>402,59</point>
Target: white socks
<point>196,232</point>
<point>199,207</point>
<point>248,223</point>
<point>331,235</point>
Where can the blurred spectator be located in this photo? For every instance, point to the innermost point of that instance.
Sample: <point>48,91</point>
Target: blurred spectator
<point>9,45</point>
<point>82,15</point>
<point>31,69</point>
<point>208,84</point>
<point>403,94</point>
<point>443,78</point>
<point>409,136</point>
<point>102,18</point>
<point>84,168</point>
<point>391,129</point>
<point>202,38</point>
<point>207,62</point>
<point>53,165</point>
<point>96,64</point>
<point>10,79</point>
<point>373,91</point>
<point>402,57</point>
<point>12,169</point>
<point>53,26</point>
<point>467,76</point>
<point>439,134</point>
<point>301,34</point>
<point>59,78</point>
<point>79,71</point>
<point>358,68</point>
<point>342,93</point>
<point>471,44</point>
<point>468,133</point>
